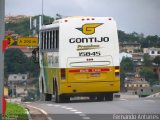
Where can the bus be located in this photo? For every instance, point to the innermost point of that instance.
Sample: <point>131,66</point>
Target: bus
<point>79,56</point>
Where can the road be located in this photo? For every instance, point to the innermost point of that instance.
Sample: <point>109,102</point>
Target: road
<point>81,110</point>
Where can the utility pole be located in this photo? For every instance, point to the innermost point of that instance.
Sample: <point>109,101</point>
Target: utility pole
<point>2,29</point>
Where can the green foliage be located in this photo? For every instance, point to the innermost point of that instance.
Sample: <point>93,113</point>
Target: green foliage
<point>148,41</point>
<point>147,60</point>
<point>127,65</point>
<point>16,62</point>
<point>22,26</point>
<point>15,112</point>
<point>157,60</point>
<point>149,75</point>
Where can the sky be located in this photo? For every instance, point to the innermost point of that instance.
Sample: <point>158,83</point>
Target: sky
<point>141,16</point>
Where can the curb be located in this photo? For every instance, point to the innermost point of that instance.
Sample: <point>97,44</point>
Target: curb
<point>41,110</point>
<point>28,114</point>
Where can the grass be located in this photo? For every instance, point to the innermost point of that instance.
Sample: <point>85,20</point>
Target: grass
<point>15,112</point>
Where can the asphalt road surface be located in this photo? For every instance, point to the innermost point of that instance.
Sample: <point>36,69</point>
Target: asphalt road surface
<point>143,108</point>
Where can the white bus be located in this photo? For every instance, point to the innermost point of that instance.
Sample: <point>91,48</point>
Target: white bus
<point>79,56</point>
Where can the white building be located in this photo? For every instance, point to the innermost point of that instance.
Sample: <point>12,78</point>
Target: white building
<point>153,52</point>
<point>18,84</point>
<point>17,77</point>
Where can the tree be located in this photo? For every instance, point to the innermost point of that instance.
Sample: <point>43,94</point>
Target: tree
<point>157,60</point>
<point>149,75</point>
<point>147,60</point>
<point>14,61</point>
<point>126,65</point>
<point>17,62</point>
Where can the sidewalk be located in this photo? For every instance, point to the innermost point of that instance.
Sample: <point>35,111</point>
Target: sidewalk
<point>36,114</point>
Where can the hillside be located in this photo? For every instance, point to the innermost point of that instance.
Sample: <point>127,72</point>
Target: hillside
<point>21,24</point>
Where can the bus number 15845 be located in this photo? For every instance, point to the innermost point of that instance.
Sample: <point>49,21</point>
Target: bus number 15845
<point>89,53</point>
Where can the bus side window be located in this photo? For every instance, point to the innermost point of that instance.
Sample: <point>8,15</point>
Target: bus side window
<point>53,39</point>
<point>47,40</point>
<point>50,40</point>
<point>42,40</point>
<point>57,38</point>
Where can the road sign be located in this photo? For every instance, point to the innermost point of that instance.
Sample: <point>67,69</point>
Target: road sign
<point>4,45</point>
<point>27,41</point>
<point>3,105</point>
<point>10,40</point>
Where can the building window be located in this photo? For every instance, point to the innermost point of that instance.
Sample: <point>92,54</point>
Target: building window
<point>141,90</point>
<point>23,77</point>
<point>140,85</point>
<point>151,90</point>
<point>158,52</point>
<point>15,77</point>
<point>152,52</point>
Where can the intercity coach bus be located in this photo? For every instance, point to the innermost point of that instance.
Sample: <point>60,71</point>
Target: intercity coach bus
<point>79,56</point>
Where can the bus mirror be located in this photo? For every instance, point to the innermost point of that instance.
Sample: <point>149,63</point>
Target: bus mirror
<point>35,55</point>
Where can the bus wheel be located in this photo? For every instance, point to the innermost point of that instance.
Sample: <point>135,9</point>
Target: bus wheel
<point>48,97</point>
<point>109,97</point>
<point>57,97</point>
<point>100,98</point>
<point>92,98</point>
<point>66,99</point>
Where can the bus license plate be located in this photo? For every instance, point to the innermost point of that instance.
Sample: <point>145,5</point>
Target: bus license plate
<point>95,74</point>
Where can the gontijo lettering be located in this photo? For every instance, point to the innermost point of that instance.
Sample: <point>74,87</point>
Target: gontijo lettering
<point>89,40</point>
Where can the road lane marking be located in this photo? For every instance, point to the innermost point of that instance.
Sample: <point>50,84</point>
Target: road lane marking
<point>50,105</point>
<point>73,110</point>
<point>77,112</point>
<point>152,101</point>
<point>63,107</point>
<point>56,105</point>
<point>82,115</point>
<point>49,118</point>
<point>69,108</point>
<point>124,99</point>
<point>86,118</point>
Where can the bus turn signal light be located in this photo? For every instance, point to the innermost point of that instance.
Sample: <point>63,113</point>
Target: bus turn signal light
<point>117,71</point>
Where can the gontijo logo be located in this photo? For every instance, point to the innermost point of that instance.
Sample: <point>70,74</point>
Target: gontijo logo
<point>89,29</point>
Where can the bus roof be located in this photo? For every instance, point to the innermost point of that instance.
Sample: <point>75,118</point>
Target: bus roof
<point>56,23</point>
